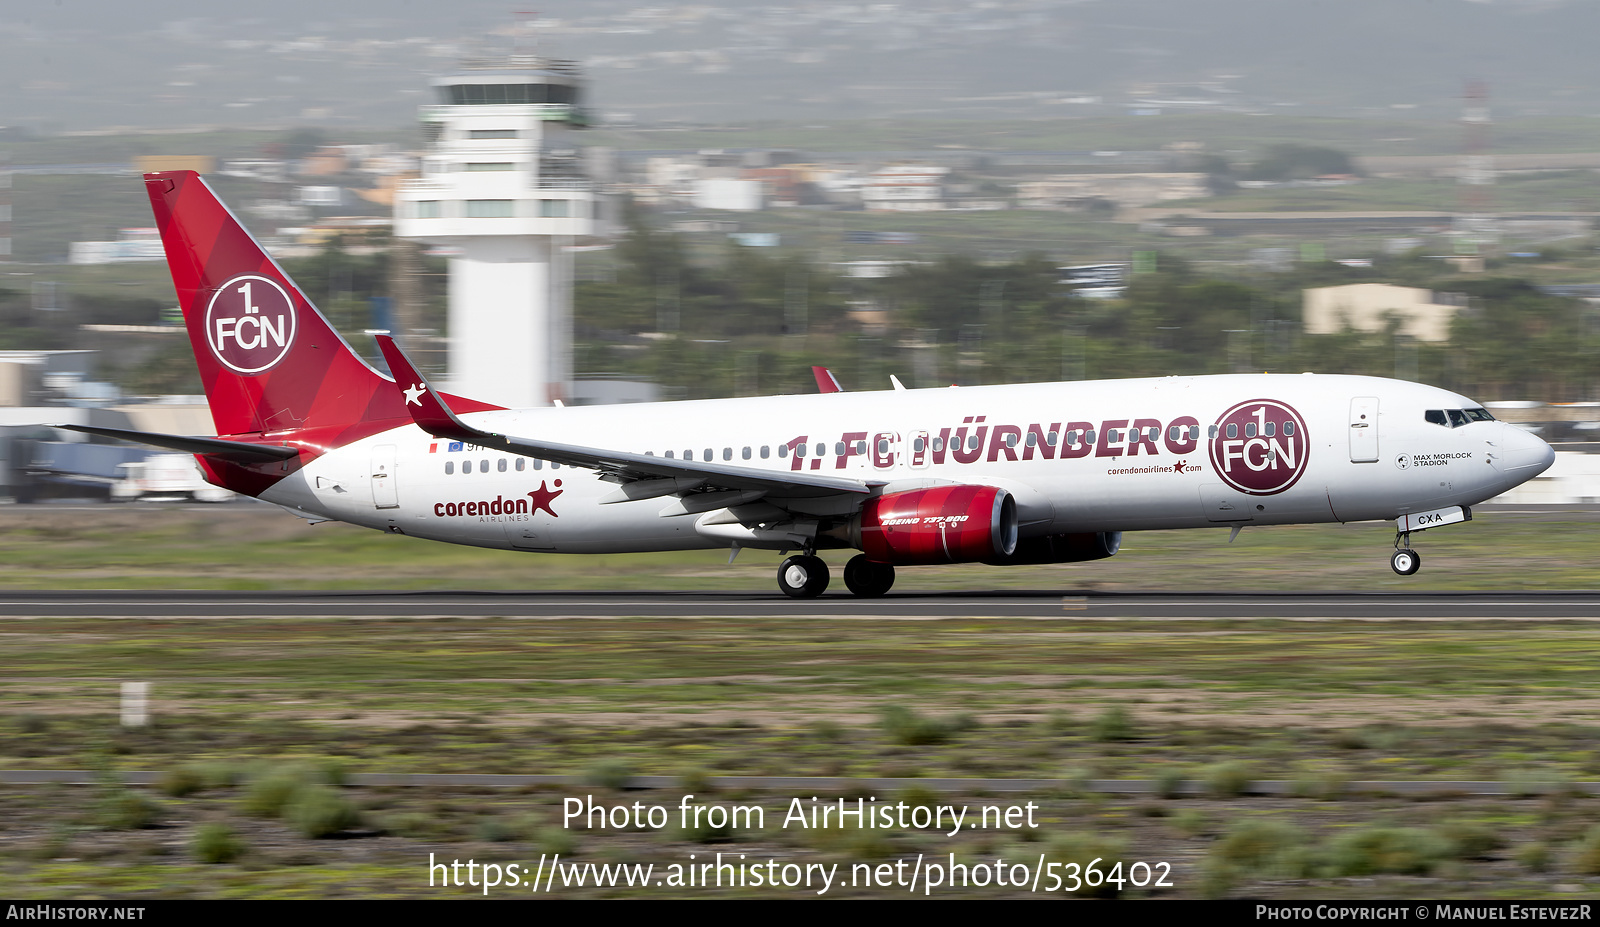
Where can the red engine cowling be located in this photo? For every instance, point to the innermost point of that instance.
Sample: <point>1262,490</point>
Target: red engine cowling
<point>945,524</point>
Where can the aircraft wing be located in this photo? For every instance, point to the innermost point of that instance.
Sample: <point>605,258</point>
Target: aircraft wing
<point>642,476</point>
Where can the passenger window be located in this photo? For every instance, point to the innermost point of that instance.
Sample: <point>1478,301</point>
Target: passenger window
<point>709,456</point>
<point>1173,433</point>
<point>938,445</point>
<point>522,464</point>
<point>1033,439</point>
<point>1249,430</point>
<point>745,454</point>
<point>799,450</point>
<point>918,446</point>
<point>764,454</point>
<point>1194,432</point>
<point>822,449</point>
<point>1233,429</point>
<point>838,449</point>
<point>449,467</point>
<point>466,466</point>
<point>727,453</point>
<point>861,447</point>
<point>1088,436</point>
<point>688,454</point>
<point>669,455</point>
<point>783,451</point>
<point>883,446</point>
<point>1269,429</point>
<point>1011,440</point>
<point>554,465</point>
<point>972,442</point>
<point>483,466</point>
<point>1288,429</point>
<point>500,465</point>
<point>1212,432</point>
<point>538,464</point>
<point>1050,439</point>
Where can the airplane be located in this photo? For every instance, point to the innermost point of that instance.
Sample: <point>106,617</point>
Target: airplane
<point>1017,474</point>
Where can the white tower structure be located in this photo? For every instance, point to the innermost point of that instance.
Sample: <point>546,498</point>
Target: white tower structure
<point>502,187</point>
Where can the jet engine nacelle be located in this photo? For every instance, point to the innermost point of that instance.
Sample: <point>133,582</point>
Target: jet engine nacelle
<point>1063,548</point>
<point>944,524</point>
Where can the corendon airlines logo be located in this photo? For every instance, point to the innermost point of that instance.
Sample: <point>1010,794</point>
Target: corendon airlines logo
<point>1260,447</point>
<point>250,324</point>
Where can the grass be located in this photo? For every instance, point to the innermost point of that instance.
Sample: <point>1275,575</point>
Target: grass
<point>256,547</point>
<point>241,703</point>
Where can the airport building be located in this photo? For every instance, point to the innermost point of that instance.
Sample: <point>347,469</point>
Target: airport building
<point>504,194</point>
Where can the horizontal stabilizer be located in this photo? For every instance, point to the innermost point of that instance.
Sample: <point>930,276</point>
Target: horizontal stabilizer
<point>217,447</point>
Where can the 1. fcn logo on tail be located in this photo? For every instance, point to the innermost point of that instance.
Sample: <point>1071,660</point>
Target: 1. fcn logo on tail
<point>250,324</point>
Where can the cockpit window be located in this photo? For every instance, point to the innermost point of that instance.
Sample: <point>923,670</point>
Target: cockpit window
<point>1455,418</point>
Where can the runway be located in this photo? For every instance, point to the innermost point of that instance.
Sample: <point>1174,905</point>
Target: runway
<point>1024,605</point>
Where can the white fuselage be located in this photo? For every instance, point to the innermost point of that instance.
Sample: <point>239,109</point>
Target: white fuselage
<point>1302,449</point>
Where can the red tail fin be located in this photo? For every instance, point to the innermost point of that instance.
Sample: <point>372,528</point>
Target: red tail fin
<point>268,359</point>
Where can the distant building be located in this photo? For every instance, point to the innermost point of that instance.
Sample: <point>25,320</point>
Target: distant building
<point>1073,191</point>
<point>1367,307</point>
<point>729,194</point>
<point>905,188</point>
<point>131,245</point>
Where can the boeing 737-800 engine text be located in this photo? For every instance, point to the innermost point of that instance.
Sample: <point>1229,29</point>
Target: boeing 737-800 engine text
<point>1030,473</point>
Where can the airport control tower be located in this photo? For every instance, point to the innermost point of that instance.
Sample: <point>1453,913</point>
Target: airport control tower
<point>503,189</point>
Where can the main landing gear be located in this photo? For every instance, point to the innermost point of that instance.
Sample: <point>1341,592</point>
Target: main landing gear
<point>803,577</point>
<point>1404,560</point>
<point>806,576</point>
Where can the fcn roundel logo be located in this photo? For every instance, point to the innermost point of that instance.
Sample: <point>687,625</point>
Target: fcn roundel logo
<point>250,324</point>
<point>1260,447</point>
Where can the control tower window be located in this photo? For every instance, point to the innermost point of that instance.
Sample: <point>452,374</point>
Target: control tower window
<point>491,94</point>
<point>489,209</point>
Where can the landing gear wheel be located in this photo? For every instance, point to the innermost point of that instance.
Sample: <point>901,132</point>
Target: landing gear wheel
<point>1405,561</point>
<point>866,578</point>
<point>803,577</point>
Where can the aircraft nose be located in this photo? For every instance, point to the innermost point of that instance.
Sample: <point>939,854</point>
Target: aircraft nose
<point>1523,455</point>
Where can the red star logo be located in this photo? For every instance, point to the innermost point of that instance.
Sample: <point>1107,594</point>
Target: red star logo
<point>542,498</point>
<point>1178,468</point>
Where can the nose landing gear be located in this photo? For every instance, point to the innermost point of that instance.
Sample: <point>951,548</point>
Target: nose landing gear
<point>1404,560</point>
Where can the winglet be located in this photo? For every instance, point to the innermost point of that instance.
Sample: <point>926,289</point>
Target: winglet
<point>899,387</point>
<point>826,381</point>
<point>426,405</point>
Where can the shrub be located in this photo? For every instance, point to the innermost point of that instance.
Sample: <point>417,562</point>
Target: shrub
<point>217,843</point>
<point>1112,725</point>
<point>1227,780</point>
<point>185,780</point>
<point>272,790</point>
<point>908,728</point>
<point>556,841</point>
<point>1469,841</point>
<point>609,774</point>
<point>125,809</point>
<point>1270,848</point>
<point>319,811</point>
<point>1401,850</point>
<point>1586,855</point>
<point>1169,784</point>
<point>1534,857</point>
